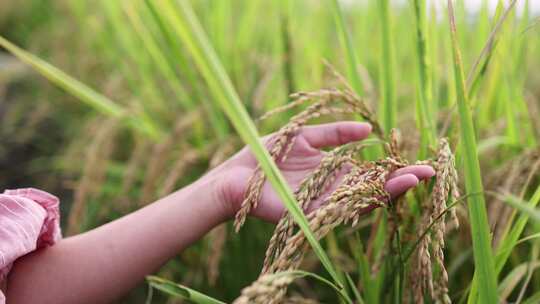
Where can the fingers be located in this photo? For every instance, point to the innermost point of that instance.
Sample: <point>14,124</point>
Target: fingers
<point>406,178</point>
<point>399,185</point>
<point>420,171</point>
<point>335,134</point>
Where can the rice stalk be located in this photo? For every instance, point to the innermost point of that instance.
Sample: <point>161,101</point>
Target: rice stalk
<point>483,256</point>
<point>425,100</point>
<point>346,43</point>
<point>186,26</point>
<point>288,54</point>
<point>388,98</point>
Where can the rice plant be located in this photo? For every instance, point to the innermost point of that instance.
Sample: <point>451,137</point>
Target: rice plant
<point>168,89</point>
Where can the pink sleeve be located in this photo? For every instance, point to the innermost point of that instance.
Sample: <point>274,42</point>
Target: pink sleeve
<point>29,219</point>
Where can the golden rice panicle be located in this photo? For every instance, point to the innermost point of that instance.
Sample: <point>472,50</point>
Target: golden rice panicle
<point>393,145</point>
<point>280,144</point>
<point>310,189</point>
<point>445,185</point>
<point>267,289</point>
<point>444,188</point>
<point>361,189</point>
<point>395,215</point>
<point>359,104</point>
<point>422,275</point>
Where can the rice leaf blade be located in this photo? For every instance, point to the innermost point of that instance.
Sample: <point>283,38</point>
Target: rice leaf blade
<point>346,43</point>
<point>388,111</point>
<point>425,123</point>
<point>511,238</point>
<point>81,91</point>
<point>180,291</point>
<point>189,30</point>
<point>483,257</point>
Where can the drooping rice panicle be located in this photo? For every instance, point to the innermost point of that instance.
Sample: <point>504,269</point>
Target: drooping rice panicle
<point>431,246</point>
<point>266,290</point>
<point>361,190</point>
<point>281,142</point>
<point>310,189</point>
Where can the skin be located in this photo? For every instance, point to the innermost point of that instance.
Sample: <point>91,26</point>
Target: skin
<point>101,265</point>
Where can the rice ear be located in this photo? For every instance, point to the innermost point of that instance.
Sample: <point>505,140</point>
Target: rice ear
<point>282,142</point>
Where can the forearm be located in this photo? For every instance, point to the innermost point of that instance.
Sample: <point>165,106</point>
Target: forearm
<point>103,264</point>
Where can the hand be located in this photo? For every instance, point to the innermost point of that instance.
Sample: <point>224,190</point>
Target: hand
<point>303,158</point>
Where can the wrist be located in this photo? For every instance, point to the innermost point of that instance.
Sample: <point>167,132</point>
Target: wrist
<point>216,187</point>
<point>229,187</point>
<point>206,196</point>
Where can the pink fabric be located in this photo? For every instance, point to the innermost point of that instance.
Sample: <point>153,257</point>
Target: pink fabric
<point>29,220</point>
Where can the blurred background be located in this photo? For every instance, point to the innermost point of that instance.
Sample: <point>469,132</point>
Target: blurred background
<point>101,168</point>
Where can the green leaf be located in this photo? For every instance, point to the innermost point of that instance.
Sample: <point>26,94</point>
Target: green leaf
<point>521,206</point>
<point>180,291</point>
<point>78,89</point>
<point>510,239</point>
<point>354,289</point>
<point>346,43</point>
<point>424,120</point>
<point>534,299</point>
<point>388,94</point>
<point>510,282</point>
<point>301,274</point>
<point>188,29</point>
<point>480,233</point>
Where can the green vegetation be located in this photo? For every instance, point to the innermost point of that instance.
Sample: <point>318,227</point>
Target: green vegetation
<point>166,89</point>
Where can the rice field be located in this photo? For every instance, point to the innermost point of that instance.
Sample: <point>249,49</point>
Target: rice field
<point>113,104</point>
